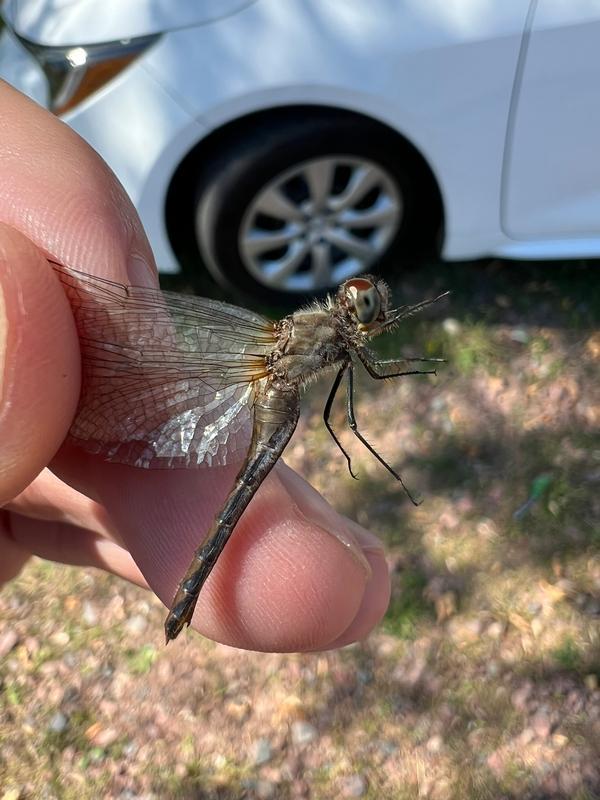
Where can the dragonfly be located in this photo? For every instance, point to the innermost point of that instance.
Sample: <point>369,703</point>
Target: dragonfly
<point>179,381</point>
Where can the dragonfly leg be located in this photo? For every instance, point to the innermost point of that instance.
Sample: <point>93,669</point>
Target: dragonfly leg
<point>327,412</point>
<point>373,368</point>
<point>354,428</point>
<point>386,361</point>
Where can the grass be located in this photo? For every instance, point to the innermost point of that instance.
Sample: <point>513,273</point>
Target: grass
<point>139,662</point>
<point>407,605</point>
<point>568,655</point>
<point>473,350</point>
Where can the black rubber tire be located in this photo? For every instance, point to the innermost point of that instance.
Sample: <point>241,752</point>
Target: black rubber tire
<point>248,162</point>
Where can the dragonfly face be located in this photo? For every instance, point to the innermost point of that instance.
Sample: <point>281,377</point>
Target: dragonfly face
<point>366,299</point>
<point>176,381</point>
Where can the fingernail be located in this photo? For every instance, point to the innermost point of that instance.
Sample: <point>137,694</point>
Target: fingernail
<point>141,273</point>
<point>314,508</point>
<point>3,340</point>
<point>367,540</point>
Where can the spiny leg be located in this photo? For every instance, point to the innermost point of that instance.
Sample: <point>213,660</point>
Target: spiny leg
<point>373,366</point>
<point>398,314</point>
<point>327,412</point>
<point>386,361</point>
<point>354,428</point>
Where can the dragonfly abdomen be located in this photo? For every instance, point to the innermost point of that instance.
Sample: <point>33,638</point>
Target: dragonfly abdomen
<point>276,413</point>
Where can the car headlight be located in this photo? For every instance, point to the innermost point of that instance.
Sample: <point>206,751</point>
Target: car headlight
<point>74,73</point>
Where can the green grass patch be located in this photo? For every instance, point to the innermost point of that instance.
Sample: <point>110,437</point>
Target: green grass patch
<point>139,662</point>
<point>568,655</point>
<point>407,606</point>
<point>12,693</point>
<point>473,348</point>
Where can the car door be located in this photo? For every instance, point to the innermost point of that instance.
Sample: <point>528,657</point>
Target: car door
<point>551,185</point>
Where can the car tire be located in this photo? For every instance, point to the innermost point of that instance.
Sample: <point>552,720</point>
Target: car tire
<point>290,156</point>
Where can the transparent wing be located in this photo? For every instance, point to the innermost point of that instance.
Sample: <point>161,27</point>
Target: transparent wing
<point>168,379</point>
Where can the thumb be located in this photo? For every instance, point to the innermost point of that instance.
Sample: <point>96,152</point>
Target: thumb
<point>39,363</point>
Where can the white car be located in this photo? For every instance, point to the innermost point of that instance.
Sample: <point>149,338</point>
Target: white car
<point>295,143</point>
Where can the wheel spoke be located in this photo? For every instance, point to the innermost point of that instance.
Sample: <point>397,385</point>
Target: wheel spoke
<point>319,177</point>
<point>275,204</point>
<point>276,271</point>
<point>382,214</point>
<point>362,180</point>
<point>257,242</point>
<point>352,245</point>
<point>321,264</point>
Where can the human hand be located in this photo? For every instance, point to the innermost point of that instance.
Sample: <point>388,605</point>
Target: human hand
<point>284,582</point>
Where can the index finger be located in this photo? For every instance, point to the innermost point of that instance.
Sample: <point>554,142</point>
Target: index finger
<point>39,363</point>
<point>60,195</point>
<point>58,192</point>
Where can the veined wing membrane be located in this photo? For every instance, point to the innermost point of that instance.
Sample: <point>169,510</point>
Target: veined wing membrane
<point>168,379</point>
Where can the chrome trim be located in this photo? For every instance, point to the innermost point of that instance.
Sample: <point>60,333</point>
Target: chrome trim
<point>65,66</point>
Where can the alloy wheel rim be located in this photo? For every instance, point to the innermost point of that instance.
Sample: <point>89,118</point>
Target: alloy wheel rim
<point>319,223</point>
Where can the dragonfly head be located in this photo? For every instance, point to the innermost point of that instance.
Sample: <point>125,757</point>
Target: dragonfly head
<point>365,299</point>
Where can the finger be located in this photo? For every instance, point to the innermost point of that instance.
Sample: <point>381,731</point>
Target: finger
<point>283,583</point>
<point>40,363</point>
<point>376,597</point>
<point>67,544</point>
<point>49,499</point>
<point>14,557</point>
<point>58,192</point>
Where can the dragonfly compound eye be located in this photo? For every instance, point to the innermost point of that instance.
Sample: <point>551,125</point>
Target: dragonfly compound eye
<point>365,300</point>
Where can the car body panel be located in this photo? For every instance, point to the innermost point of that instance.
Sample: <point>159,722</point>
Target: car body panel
<point>73,22</point>
<point>558,96</point>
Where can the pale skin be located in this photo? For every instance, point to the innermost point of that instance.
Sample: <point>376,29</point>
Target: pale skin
<point>292,577</point>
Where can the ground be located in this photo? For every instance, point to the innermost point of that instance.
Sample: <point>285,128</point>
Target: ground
<point>483,679</point>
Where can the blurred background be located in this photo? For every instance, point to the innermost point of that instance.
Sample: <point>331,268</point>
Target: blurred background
<point>273,150</point>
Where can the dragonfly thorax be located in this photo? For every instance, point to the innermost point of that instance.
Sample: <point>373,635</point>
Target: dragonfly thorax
<point>309,341</point>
